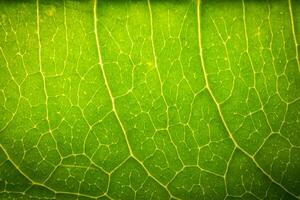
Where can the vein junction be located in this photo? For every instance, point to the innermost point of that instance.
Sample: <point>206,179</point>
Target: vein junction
<point>142,100</point>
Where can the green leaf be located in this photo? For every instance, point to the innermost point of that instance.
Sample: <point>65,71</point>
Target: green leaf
<point>149,99</point>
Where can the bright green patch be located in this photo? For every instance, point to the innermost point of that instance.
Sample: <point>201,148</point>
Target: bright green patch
<point>157,99</point>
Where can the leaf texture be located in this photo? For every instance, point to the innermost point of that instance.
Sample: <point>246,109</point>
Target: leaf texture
<point>149,99</point>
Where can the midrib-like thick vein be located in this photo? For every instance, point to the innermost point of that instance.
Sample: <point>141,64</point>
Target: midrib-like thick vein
<point>116,113</point>
<point>294,33</point>
<point>100,62</point>
<point>33,182</point>
<point>219,108</point>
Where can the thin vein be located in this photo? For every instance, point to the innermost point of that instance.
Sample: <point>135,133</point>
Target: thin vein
<point>19,90</point>
<point>100,62</point>
<point>253,70</point>
<point>219,109</point>
<point>159,77</point>
<point>41,184</point>
<point>66,35</point>
<point>43,77</point>
<point>294,33</point>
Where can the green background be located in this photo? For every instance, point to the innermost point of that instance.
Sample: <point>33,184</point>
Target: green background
<point>158,99</point>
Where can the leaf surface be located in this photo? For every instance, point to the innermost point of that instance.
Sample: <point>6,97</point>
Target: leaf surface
<point>149,99</point>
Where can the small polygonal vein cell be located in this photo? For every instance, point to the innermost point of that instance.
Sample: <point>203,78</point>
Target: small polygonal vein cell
<point>150,99</point>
